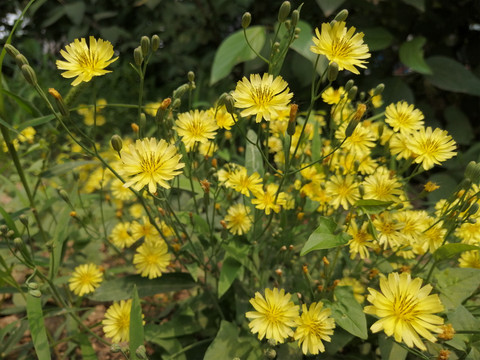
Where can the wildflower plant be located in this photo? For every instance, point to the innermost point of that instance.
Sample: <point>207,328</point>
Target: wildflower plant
<point>260,225</point>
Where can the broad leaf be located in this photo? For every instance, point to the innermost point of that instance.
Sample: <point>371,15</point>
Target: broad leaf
<point>179,325</point>
<point>456,284</point>
<point>377,38</point>
<point>372,206</point>
<point>324,237</point>
<point>390,349</point>
<point>230,270</point>
<point>136,325</point>
<point>411,54</point>
<point>235,50</point>
<point>459,126</point>
<point>448,250</point>
<point>348,313</point>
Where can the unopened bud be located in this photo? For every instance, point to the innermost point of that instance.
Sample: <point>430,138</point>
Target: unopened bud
<point>284,11</point>
<point>246,20</point>
<point>361,108</point>
<point>332,71</point>
<point>352,93</point>
<point>145,45</point>
<point>21,60</point>
<point>23,219</point>
<point>143,121</point>
<point>63,194</point>
<point>116,142</point>
<point>135,127</point>
<point>342,15</point>
<point>115,348</point>
<point>276,46</point>
<point>325,261</point>
<point>292,119</point>
<point>138,56</point>
<point>379,89</point>
<point>176,104</point>
<point>295,18</point>
<point>279,272</point>
<point>3,229</point>
<point>32,285</point>
<point>18,242</point>
<point>473,209</point>
<point>228,101</point>
<point>62,107</point>
<point>191,76</point>
<point>305,269</point>
<point>141,352</point>
<point>352,125</point>
<point>270,354</point>
<point>180,91</point>
<point>472,172</point>
<point>155,42</point>
<point>35,293</point>
<point>29,74</point>
<point>361,96</point>
<point>11,50</point>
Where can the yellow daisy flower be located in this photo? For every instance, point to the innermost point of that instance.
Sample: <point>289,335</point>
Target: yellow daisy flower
<point>83,61</point>
<point>222,117</point>
<point>403,117</point>
<point>116,324</point>
<point>398,144</point>
<point>85,279</point>
<point>241,182</point>
<point>152,259</point>
<point>405,309</point>
<point>343,190</point>
<point>195,126</point>
<point>432,147</point>
<point>313,326</point>
<point>333,96</point>
<point>341,46</point>
<point>389,233</point>
<point>268,200</point>
<point>152,163</point>
<point>359,142</point>
<point>264,97</point>
<point>382,186</point>
<point>470,259</point>
<point>361,240</point>
<point>120,192</point>
<point>145,230</point>
<point>275,315</point>
<point>120,235</point>
<point>238,219</point>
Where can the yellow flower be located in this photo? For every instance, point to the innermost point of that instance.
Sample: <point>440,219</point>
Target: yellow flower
<point>152,259</point>
<point>341,46</point>
<point>275,315</point>
<point>147,230</point>
<point>116,324</point>
<point>361,240</point>
<point>222,117</point>
<point>359,142</point>
<point>268,200</point>
<point>152,163</point>
<point>264,97</point>
<point>238,219</point>
<point>195,126</point>
<point>398,144</point>
<point>85,62</point>
<point>27,135</point>
<point>357,288</point>
<point>382,186</point>
<point>120,192</point>
<point>388,231</point>
<point>430,186</point>
<point>403,117</point>
<point>470,259</point>
<point>313,326</point>
<point>343,190</point>
<point>90,117</point>
<point>120,235</point>
<point>432,147</point>
<point>376,100</point>
<point>85,279</point>
<point>244,184</point>
<point>405,309</point>
<point>333,96</point>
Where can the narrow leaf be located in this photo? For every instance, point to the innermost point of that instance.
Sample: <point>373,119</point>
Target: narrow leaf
<point>372,206</point>
<point>324,237</point>
<point>136,325</point>
<point>411,54</point>
<point>23,103</point>
<point>59,237</point>
<point>37,327</point>
<point>253,157</point>
<point>179,325</point>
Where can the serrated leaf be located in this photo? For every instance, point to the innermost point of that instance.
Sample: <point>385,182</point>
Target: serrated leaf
<point>372,206</point>
<point>348,313</point>
<point>121,288</point>
<point>235,50</point>
<point>456,284</point>
<point>377,38</point>
<point>228,274</point>
<point>137,337</point>
<point>253,157</point>
<point>37,327</point>
<point>324,237</point>
<point>411,54</point>
<point>450,75</point>
<point>448,250</point>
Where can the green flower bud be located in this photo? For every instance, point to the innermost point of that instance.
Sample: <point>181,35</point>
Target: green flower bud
<point>352,93</point>
<point>229,103</point>
<point>351,127</point>
<point>138,56</point>
<point>29,74</point>
<point>276,46</point>
<point>180,91</point>
<point>143,121</point>
<point>191,76</point>
<point>10,234</point>
<point>62,107</point>
<point>155,42</point>
<point>349,85</point>
<point>18,242</point>
<point>23,219</point>
<point>116,142</point>
<point>145,45</point>
<point>332,71</point>
<point>176,104</point>
<point>342,15</point>
<point>32,285</point>
<point>141,352</point>
<point>35,293</point>
<point>21,60</point>
<point>246,20</point>
<point>361,96</point>
<point>3,229</point>
<point>11,50</point>
<point>284,11</point>
<point>379,89</point>
<point>270,354</point>
<point>295,17</point>
<point>472,172</point>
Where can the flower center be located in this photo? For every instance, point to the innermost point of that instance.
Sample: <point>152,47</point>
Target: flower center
<point>262,95</point>
<point>149,164</point>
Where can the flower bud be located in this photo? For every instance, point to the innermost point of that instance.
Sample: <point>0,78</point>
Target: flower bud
<point>23,219</point>
<point>115,348</point>
<point>155,42</point>
<point>180,91</point>
<point>291,121</point>
<point>3,229</point>
<point>62,107</point>
<point>332,71</point>
<point>229,103</point>
<point>378,90</point>
<point>276,46</point>
<point>21,60</point>
<point>32,285</point>
<point>145,45</point>
<point>246,20</point>
<point>191,76</point>
<point>135,127</point>
<point>342,15</point>
<point>11,50</point>
<point>116,142</point>
<point>361,108</point>
<point>349,85</point>
<point>18,242</point>
<point>141,352</point>
<point>29,74</point>
<point>352,125</point>
<point>284,11</point>
<point>138,56</point>
<point>472,210</point>
<point>176,104</point>
<point>270,354</point>
<point>143,121</point>
<point>10,234</point>
<point>35,293</point>
<point>352,93</point>
<point>295,17</point>
<point>361,96</point>
<point>472,172</point>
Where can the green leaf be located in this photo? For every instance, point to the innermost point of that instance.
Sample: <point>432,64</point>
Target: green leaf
<point>60,235</point>
<point>396,90</point>
<point>227,345</point>
<point>239,251</point>
<point>391,350</point>
<point>253,157</point>
<point>458,125</point>
<point>75,11</point>
<point>35,122</point>
<point>179,325</point>
<point>64,168</point>
<point>377,38</point>
<point>228,274</point>
<point>462,319</point>
<point>23,103</point>
<point>448,250</point>
<point>121,288</point>
<point>329,6</point>
<point>201,225</point>
<point>372,206</point>
<point>37,327</point>
<point>348,313</point>
<point>411,54</point>
<point>450,75</point>
<point>456,284</point>
<point>86,347</point>
<point>136,325</point>
<point>235,50</point>
<point>419,4</point>
<point>8,221</point>
<point>324,237</point>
